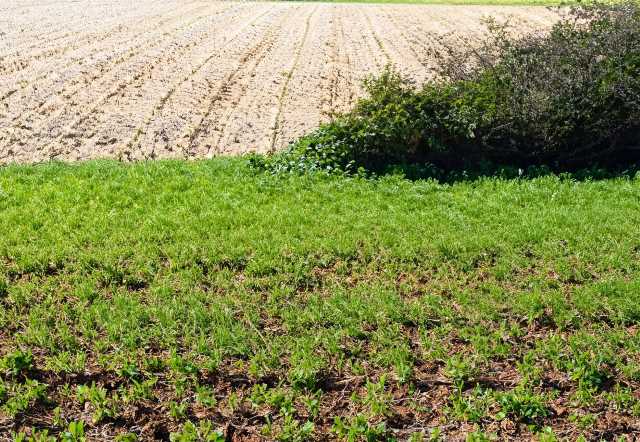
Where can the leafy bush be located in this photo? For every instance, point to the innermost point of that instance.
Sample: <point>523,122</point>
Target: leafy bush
<point>566,99</point>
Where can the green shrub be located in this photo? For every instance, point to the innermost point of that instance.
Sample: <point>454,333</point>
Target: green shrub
<point>566,99</point>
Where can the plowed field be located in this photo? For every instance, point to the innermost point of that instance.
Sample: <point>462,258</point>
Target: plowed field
<point>158,79</point>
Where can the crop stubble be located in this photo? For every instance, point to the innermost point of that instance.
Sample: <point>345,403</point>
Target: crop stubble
<point>193,79</point>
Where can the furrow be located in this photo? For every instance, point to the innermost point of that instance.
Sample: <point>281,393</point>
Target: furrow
<point>70,82</point>
<point>133,80</point>
<point>232,89</point>
<point>102,48</point>
<point>277,125</point>
<point>312,86</point>
<point>173,133</point>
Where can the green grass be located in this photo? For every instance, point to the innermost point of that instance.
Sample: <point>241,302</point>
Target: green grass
<point>453,2</point>
<point>202,298</point>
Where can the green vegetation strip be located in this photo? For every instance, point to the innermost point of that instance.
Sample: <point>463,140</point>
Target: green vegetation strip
<point>202,300</point>
<point>454,2</point>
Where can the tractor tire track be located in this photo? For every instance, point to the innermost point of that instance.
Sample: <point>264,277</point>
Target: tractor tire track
<point>214,131</point>
<point>233,87</point>
<point>313,87</point>
<point>135,145</point>
<point>285,88</point>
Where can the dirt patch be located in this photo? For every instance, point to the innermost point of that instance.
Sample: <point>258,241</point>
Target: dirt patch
<point>196,79</point>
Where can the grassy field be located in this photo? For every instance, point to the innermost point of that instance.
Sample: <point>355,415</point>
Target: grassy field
<point>202,300</point>
<point>455,2</point>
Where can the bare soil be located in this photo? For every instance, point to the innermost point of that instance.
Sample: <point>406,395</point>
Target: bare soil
<point>194,79</point>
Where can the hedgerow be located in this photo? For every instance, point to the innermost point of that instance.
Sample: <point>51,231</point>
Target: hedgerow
<point>567,99</point>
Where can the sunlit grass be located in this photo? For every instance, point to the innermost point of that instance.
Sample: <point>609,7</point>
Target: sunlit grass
<point>454,2</point>
<point>165,281</point>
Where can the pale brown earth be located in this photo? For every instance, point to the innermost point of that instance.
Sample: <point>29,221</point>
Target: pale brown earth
<point>168,78</point>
